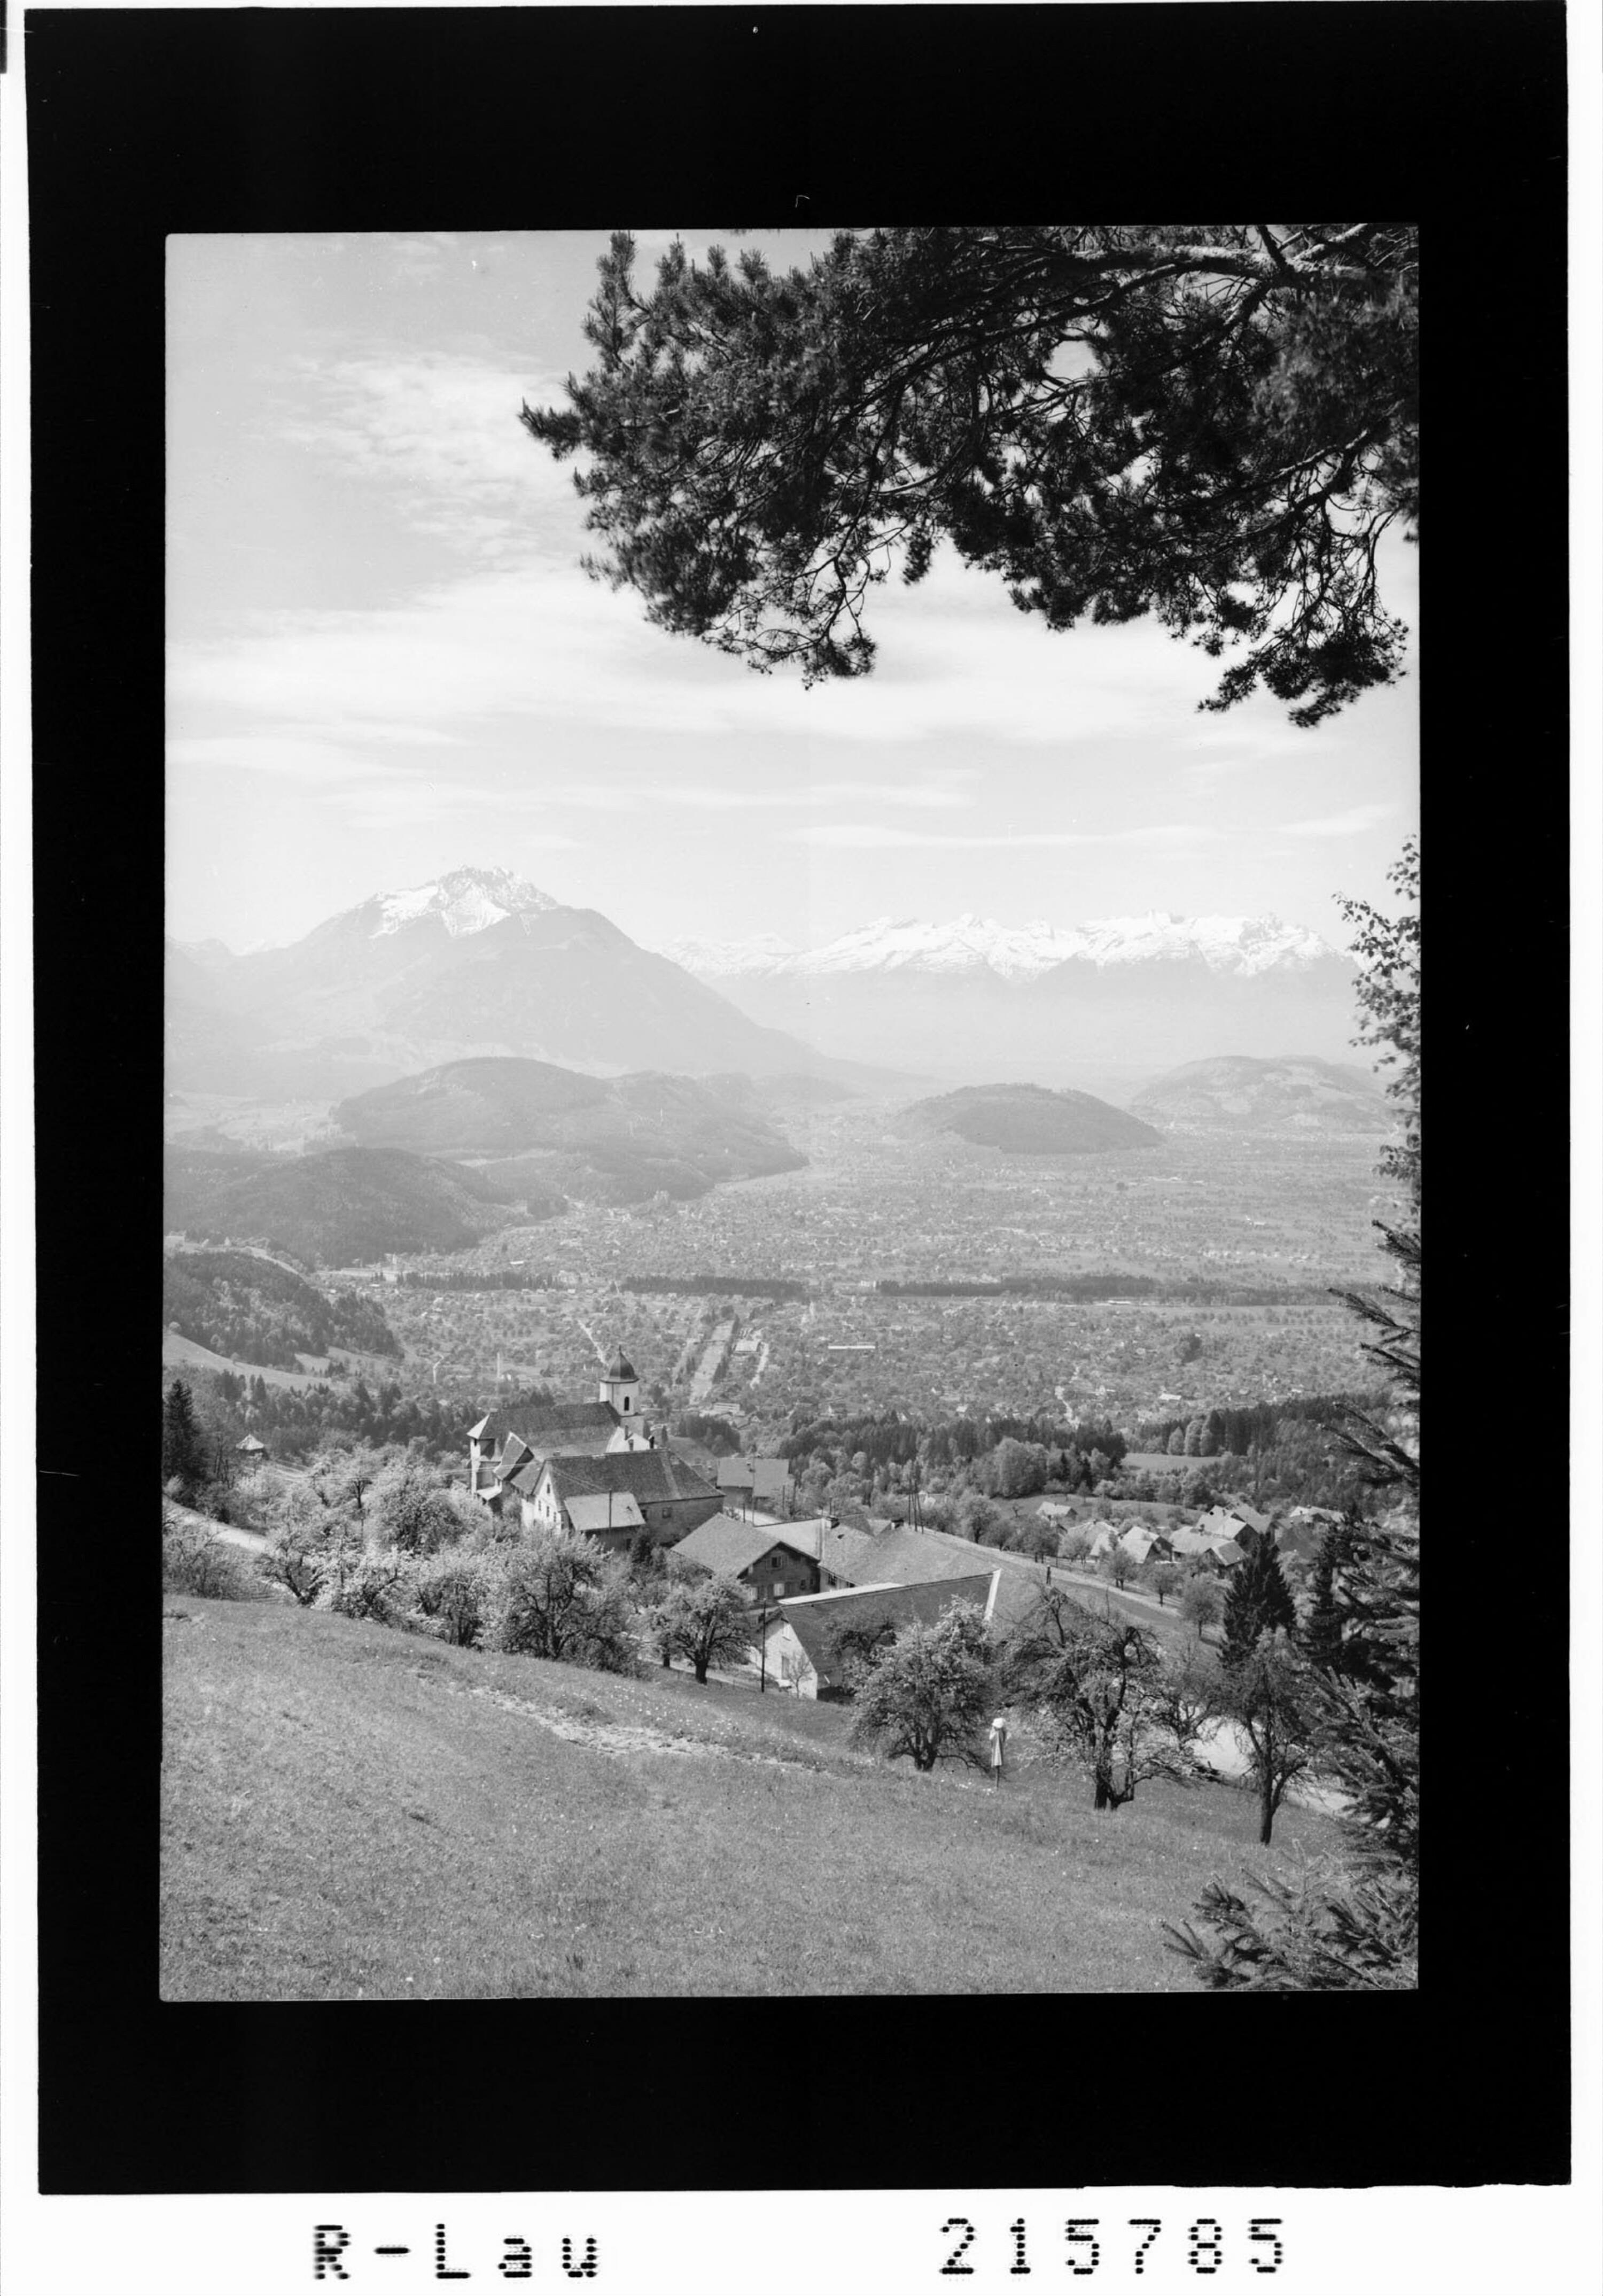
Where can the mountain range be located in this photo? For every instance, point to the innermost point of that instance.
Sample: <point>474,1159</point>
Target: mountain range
<point>476,963</point>
<point>479,964</point>
<point>1104,1002</point>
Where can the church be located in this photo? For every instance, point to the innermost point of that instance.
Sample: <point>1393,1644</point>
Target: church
<point>600,1468</point>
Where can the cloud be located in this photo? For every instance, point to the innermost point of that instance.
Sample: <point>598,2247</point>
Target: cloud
<point>871,835</point>
<point>370,793</point>
<point>917,795</point>
<point>537,639</point>
<point>441,432</point>
<point>1353,822</point>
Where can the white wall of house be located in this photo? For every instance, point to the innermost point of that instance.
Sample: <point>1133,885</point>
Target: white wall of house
<point>781,1643</point>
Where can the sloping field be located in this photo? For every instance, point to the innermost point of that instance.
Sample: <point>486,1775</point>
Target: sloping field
<point>351,1812</point>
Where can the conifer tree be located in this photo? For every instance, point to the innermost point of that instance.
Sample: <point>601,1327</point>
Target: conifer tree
<point>1259,1601</point>
<point>1215,424</point>
<point>183,1453</point>
<point>1360,1933</point>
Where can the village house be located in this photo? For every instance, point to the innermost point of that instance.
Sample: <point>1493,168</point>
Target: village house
<point>1205,1550</point>
<point>611,1497</point>
<point>800,1645</point>
<point>748,1482</point>
<point>770,1565</point>
<point>1238,1522</point>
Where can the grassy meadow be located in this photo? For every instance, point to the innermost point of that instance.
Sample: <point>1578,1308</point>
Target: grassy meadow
<point>353,1813</point>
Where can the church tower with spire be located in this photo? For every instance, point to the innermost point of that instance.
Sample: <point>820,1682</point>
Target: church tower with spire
<point>620,1387</point>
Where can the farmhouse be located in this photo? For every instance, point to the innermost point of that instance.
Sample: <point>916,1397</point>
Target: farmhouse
<point>1240,1522</point>
<point>765,1557</point>
<point>1205,1550</point>
<point>801,1645</point>
<point>755,1482</point>
<point>612,1496</point>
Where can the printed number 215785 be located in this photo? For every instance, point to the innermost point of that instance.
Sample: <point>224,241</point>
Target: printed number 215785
<point>1204,2244</point>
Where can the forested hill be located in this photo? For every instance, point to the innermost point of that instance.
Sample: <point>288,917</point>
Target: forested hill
<point>338,1206</point>
<point>1026,1119</point>
<point>243,1306</point>
<point>612,1140</point>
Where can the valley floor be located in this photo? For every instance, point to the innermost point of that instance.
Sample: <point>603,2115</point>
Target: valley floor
<point>352,1812</point>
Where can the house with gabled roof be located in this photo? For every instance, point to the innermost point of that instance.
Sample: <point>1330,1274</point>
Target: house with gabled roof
<point>801,1644</point>
<point>764,1556</point>
<point>667,1498</point>
<point>1242,1524</point>
<point>747,1482</point>
<point>1205,1550</point>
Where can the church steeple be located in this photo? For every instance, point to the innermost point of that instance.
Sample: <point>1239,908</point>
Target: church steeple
<point>620,1387</point>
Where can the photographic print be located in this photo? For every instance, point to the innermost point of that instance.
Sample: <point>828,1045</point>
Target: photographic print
<point>791,1112</point>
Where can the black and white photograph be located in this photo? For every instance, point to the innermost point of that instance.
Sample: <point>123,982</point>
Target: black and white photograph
<point>791,1129</point>
<point>729,859</point>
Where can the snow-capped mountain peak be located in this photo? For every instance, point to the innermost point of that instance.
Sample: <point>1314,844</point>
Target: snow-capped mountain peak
<point>714,960</point>
<point>972,944</point>
<point>465,901</point>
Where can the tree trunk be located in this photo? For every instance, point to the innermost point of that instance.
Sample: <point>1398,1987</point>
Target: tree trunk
<point>1266,1814</point>
<point>702,1670</point>
<point>1104,1800</point>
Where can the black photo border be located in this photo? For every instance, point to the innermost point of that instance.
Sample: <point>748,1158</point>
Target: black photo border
<point>143,123</point>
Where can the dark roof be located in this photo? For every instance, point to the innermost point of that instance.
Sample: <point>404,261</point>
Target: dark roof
<point>655,1477</point>
<point>846,1553</point>
<point>554,1420</point>
<point>816,1620</point>
<point>722,1544</point>
<point>621,1367</point>
<point>764,1479</point>
<point>909,1557</point>
<point>514,1451</point>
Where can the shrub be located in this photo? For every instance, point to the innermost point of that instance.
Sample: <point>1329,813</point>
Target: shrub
<point>448,1592</point>
<point>1328,1929</point>
<point>194,1563</point>
<point>558,1595</point>
<point>364,1582</point>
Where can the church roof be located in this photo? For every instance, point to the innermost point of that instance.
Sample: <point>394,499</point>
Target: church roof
<point>655,1477</point>
<point>543,1427</point>
<point>621,1367</point>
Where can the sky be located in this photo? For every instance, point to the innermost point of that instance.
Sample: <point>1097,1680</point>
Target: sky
<point>386,662</point>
